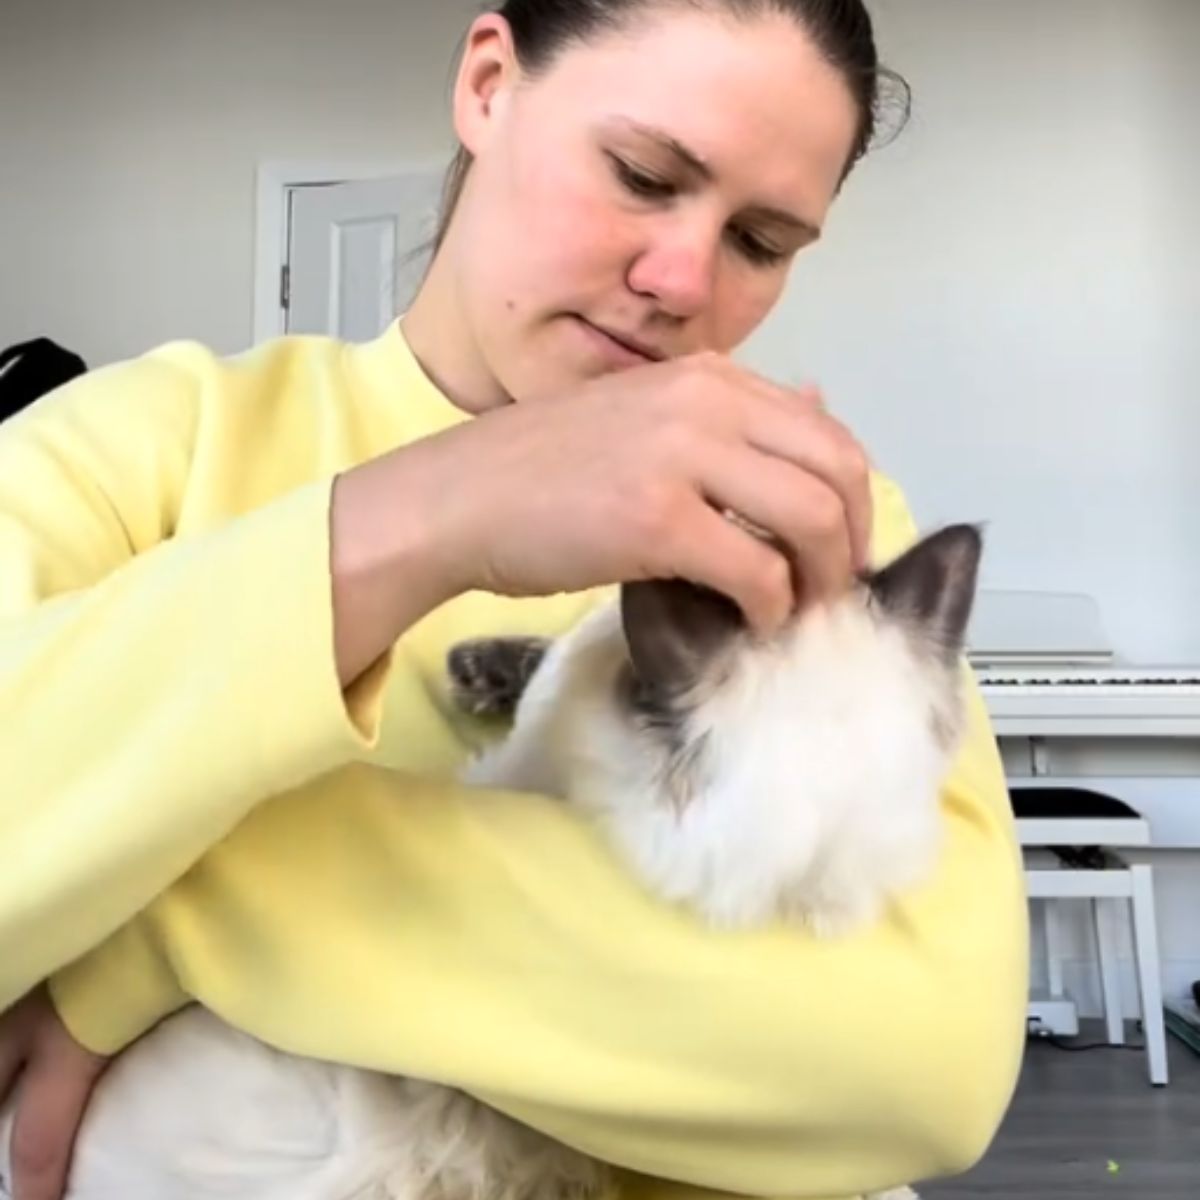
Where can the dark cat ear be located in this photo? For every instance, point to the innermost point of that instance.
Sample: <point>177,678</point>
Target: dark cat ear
<point>933,584</point>
<point>674,629</point>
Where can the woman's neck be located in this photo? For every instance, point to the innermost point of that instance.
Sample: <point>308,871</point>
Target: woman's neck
<point>440,338</point>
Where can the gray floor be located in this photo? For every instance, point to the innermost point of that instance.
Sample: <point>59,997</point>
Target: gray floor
<point>1074,1113</point>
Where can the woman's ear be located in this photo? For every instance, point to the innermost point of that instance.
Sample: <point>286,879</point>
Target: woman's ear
<point>488,69</point>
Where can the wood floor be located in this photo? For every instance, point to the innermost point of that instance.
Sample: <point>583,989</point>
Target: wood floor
<point>1075,1113</point>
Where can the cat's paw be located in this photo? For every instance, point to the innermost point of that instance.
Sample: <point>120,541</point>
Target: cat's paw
<point>903,1193</point>
<point>489,675</point>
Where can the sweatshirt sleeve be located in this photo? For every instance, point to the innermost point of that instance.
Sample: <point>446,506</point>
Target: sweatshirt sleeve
<point>142,674</point>
<point>490,941</point>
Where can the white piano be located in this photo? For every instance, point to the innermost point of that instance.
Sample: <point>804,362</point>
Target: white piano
<point>1068,710</point>
<point>1093,701</point>
<point>1047,669</point>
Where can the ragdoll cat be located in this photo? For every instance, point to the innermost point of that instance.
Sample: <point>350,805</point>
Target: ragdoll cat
<point>795,778</point>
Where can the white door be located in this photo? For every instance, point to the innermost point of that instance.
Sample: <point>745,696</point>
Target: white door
<point>356,251</point>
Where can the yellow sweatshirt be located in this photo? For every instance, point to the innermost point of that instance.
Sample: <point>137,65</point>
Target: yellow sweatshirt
<point>166,666</point>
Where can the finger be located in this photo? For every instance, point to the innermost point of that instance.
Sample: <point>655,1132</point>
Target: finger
<point>14,1047</point>
<point>16,1038</point>
<point>50,1108</point>
<point>797,426</point>
<point>798,508</point>
<point>816,442</point>
<point>12,1058</point>
<point>713,551</point>
<point>809,393</point>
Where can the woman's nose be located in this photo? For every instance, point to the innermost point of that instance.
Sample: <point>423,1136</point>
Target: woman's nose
<point>678,272</point>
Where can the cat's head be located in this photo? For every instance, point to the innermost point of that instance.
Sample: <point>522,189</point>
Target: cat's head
<point>688,649</point>
<point>891,649</point>
<point>663,711</point>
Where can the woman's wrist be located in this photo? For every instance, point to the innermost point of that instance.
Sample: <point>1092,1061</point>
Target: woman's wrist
<point>389,565</point>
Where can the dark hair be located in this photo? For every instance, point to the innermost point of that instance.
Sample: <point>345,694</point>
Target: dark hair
<point>841,29</point>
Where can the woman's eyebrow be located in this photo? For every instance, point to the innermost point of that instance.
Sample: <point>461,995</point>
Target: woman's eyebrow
<point>698,167</point>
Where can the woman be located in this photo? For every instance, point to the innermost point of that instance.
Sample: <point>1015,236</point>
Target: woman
<point>226,581</point>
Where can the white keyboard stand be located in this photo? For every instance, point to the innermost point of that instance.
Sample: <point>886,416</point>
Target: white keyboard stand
<point>1047,670</point>
<point>1131,882</point>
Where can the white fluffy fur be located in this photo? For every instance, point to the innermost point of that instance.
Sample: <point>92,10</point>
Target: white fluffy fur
<point>810,792</point>
<point>817,766</point>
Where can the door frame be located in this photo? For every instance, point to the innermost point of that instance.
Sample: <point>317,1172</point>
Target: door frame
<point>275,180</point>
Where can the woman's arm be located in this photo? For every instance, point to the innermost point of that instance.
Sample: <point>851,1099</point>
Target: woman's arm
<point>142,674</point>
<point>156,682</point>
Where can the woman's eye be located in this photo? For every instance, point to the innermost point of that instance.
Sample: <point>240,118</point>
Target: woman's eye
<point>757,250</point>
<point>648,186</point>
<point>641,183</point>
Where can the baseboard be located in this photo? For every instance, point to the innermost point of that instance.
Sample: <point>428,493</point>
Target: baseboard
<point>1082,986</point>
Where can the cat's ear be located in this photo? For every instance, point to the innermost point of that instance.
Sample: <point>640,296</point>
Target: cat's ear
<point>675,629</point>
<point>932,585</point>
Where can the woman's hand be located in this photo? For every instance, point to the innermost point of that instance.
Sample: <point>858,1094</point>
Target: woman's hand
<point>624,478</point>
<point>53,1077</point>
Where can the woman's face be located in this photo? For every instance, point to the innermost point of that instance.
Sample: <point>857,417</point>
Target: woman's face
<point>642,198</point>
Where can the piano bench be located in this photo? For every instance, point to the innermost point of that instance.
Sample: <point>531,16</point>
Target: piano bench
<point>1075,816</point>
<point>1071,839</point>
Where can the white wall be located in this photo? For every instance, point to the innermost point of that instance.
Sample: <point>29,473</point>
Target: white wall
<point>1013,286</point>
<point>130,132</point>
<point>1007,305</point>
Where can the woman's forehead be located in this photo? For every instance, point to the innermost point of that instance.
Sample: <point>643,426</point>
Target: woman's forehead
<point>741,95</point>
